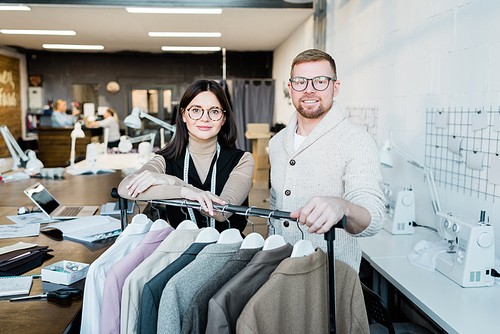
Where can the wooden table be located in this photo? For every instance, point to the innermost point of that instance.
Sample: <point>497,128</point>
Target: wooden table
<point>40,316</point>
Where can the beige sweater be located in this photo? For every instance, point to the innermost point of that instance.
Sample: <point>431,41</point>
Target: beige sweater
<point>202,152</point>
<point>337,159</point>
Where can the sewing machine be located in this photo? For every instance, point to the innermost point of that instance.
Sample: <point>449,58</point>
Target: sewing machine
<point>471,253</point>
<point>399,211</point>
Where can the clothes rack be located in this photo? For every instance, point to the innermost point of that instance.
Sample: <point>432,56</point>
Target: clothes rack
<point>262,213</point>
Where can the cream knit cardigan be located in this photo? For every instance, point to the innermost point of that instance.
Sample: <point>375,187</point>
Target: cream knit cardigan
<point>337,159</point>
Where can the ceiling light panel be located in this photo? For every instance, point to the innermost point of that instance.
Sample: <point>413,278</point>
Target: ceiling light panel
<point>18,7</point>
<point>38,32</point>
<point>72,47</point>
<point>152,10</point>
<point>190,48</point>
<point>184,34</point>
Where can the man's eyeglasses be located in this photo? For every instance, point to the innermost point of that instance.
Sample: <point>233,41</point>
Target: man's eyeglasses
<point>215,114</point>
<point>319,83</point>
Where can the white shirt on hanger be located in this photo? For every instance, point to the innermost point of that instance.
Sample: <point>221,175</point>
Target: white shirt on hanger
<point>96,276</point>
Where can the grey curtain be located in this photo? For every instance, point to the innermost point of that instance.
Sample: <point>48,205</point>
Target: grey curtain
<point>253,102</point>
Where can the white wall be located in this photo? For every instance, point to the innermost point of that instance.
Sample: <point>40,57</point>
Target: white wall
<point>407,56</point>
<point>300,40</point>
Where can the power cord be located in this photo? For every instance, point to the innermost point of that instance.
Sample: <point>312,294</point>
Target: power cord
<point>430,228</point>
<point>494,273</point>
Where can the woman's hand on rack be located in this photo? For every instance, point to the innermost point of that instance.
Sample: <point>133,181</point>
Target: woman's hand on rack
<point>205,198</point>
<point>142,181</point>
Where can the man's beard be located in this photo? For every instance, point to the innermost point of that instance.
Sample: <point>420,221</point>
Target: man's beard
<point>311,114</point>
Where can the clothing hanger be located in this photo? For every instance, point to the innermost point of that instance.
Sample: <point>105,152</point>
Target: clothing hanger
<point>140,219</point>
<point>302,247</point>
<point>159,224</point>
<point>208,234</point>
<point>231,235</point>
<point>186,224</point>
<point>273,241</point>
<point>253,240</point>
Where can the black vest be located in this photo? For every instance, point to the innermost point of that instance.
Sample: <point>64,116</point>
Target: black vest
<point>228,159</point>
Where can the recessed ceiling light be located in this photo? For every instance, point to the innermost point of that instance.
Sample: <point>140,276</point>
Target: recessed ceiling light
<point>156,10</point>
<point>190,48</point>
<point>38,32</point>
<point>184,34</point>
<point>18,7</point>
<point>72,47</point>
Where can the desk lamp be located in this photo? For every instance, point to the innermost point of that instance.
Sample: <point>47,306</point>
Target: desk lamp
<point>21,159</point>
<point>402,210</point>
<point>134,120</point>
<point>76,133</point>
<point>145,152</point>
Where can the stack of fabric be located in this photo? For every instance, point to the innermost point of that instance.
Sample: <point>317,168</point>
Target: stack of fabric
<point>22,257</point>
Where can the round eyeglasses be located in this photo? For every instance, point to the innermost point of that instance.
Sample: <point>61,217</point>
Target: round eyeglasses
<point>319,83</point>
<point>215,114</point>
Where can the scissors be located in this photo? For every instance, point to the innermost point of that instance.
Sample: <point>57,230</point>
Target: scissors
<point>62,296</point>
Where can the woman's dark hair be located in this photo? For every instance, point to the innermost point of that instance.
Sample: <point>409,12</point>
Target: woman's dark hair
<point>228,133</point>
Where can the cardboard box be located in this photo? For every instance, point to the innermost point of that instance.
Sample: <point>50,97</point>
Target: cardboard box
<point>56,272</point>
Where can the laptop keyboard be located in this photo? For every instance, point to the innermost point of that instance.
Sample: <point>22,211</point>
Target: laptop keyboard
<point>70,211</point>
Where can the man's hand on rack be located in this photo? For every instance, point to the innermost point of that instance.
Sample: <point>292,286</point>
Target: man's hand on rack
<point>142,181</point>
<point>205,198</point>
<point>321,213</point>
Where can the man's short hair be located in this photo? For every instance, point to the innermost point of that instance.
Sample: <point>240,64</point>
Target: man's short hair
<point>312,55</point>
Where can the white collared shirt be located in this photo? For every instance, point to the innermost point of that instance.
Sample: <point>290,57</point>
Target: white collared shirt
<point>96,276</point>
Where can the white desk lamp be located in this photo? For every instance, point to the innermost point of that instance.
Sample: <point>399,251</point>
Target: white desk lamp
<point>145,149</point>
<point>386,161</point>
<point>134,120</point>
<point>20,158</point>
<point>76,133</point>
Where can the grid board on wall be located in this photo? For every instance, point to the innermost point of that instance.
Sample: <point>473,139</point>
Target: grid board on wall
<point>450,169</point>
<point>364,117</point>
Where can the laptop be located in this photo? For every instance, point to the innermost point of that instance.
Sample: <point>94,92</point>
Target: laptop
<point>52,208</point>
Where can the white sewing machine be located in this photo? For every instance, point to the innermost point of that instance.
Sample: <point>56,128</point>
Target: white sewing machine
<point>471,254</point>
<point>399,211</point>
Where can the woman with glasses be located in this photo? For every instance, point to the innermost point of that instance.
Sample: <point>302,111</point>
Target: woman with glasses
<point>200,164</point>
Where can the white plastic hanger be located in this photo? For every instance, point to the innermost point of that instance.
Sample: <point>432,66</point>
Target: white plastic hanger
<point>140,219</point>
<point>208,234</point>
<point>253,240</point>
<point>302,247</point>
<point>187,225</point>
<point>230,236</point>
<point>273,241</point>
<point>159,224</point>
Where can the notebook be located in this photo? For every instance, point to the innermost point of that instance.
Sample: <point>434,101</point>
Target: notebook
<point>15,286</point>
<point>52,208</point>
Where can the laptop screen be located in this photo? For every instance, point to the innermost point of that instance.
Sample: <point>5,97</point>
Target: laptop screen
<point>43,198</point>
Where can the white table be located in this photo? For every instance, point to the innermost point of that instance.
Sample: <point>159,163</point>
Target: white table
<point>455,309</point>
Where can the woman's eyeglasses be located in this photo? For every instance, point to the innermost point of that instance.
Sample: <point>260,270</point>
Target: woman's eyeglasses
<point>215,114</point>
<point>319,83</point>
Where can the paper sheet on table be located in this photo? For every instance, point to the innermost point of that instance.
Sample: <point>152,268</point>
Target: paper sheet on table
<point>90,228</point>
<point>494,172</point>
<point>32,218</point>
<point>479,121</point>
<point>19,245</point>
<point>19,231</point>
<point>441,120</point>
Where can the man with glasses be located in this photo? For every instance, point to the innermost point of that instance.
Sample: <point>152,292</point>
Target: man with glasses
<point>323,166</point>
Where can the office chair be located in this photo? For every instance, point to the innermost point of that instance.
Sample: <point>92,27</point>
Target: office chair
<point>377,311</point>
